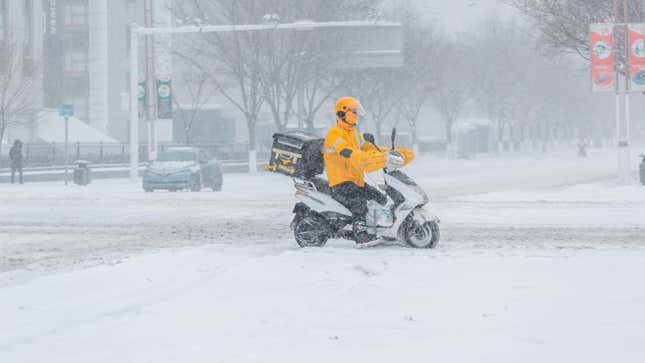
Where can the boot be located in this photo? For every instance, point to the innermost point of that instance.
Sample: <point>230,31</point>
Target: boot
<point>360,232</point>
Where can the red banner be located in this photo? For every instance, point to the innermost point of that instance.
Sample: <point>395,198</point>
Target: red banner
<point>602,58</point>
<point>637,56</point>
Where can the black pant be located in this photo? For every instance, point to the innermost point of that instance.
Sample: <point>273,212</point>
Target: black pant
<point>14,169</point>
<point>355,198</point>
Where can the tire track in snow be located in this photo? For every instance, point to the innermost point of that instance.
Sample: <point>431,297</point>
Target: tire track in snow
<point>49,247</point>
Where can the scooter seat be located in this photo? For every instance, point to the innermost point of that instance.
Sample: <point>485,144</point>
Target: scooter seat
<point>322,185</point>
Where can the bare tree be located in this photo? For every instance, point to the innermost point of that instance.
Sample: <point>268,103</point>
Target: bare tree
<point>255,68</point>
<point>454,83</point>
<point>285,57</point>
<point>301,63</point>
<point>502,74</point>
<point>564,25</point>
<point>381,102</point>
<point>231,60</point>
<point>198,94</point>
<point>318,84</point>
<point>417,77</point>
<point>522,92</point>
<point>17,86</point>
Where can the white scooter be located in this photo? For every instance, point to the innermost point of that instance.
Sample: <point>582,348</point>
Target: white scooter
<point>403,218</point>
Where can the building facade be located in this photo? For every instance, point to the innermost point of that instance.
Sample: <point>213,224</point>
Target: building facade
<point>79,51</point>
<point>85,60</point>
<point>21,54</point>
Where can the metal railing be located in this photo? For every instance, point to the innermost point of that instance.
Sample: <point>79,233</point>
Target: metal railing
<point>53,154</point>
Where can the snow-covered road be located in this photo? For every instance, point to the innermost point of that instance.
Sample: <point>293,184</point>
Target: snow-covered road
<point>541,259</point>
<point>511,200</point>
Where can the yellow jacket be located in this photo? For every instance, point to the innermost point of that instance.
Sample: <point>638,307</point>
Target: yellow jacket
<point>348,157</point>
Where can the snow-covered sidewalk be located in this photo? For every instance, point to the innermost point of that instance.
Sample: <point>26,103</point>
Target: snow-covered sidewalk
<point>281,304</point>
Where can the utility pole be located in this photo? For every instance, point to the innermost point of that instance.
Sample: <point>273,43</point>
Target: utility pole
<point>151,89</point>
<point>623,144</point>
<point>622,66</point>
<point>618,68</point>
<point>134,102</point>
<point>66,149</point>
<point>66,111</point>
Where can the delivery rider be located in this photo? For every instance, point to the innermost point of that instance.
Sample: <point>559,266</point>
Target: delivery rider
<point>348,157</point>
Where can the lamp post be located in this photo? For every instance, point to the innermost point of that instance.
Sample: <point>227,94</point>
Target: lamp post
<point>66,149</point>
<point>66,111</point>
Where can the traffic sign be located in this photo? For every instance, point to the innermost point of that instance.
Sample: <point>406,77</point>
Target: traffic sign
<point>66,110</point>
<point>164,98</point>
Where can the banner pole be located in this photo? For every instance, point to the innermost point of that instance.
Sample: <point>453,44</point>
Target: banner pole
<point>625,143</point>
<point>66,148</point>
<point>617,79</point>
<point>134,103</point>
<point>617,136</point>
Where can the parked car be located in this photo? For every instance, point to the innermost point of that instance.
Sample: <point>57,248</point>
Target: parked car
<point>183,168</point>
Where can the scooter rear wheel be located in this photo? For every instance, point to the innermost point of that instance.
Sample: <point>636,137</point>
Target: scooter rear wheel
<point>310,232</point>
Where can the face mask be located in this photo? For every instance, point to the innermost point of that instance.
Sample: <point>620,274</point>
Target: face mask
<point>351,117</point>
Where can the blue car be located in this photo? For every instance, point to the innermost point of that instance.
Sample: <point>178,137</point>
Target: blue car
<point>183,168</point>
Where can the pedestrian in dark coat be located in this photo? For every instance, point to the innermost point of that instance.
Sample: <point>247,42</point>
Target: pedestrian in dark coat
<point>582,149</point>
<point>15,154</point>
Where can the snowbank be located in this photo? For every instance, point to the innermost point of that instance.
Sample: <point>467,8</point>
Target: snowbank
<point>51,128</point>
<point>607,192</point>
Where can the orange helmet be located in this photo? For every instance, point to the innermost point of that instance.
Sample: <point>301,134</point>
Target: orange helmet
<point>347,111</point>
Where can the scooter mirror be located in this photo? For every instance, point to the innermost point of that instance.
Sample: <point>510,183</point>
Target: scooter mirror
<point>393,137</point>
<point>369,138</point>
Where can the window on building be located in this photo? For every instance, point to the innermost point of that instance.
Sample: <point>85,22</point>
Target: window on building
<point>75,61</point>
<point>75,14</point>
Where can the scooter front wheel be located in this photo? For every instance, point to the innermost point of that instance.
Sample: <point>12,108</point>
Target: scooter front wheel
<point>421,235</point>
<point>310,232</point>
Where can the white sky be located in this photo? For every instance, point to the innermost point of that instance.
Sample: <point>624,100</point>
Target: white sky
<point>457,14</point>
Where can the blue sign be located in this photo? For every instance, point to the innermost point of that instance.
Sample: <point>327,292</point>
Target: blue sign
<point>66,110</point>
